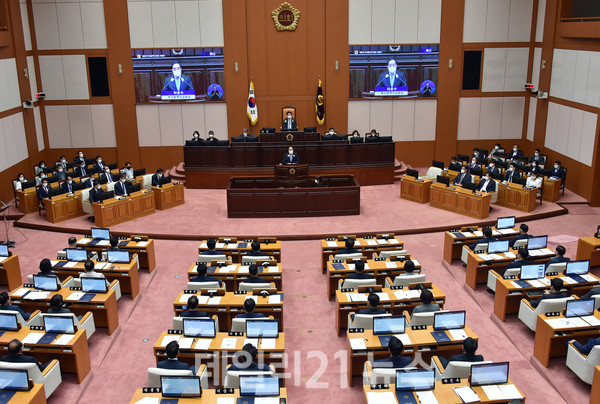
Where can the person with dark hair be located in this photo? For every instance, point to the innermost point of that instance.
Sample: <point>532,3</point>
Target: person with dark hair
<point>46,268</point>
<point>592,292</point>
<point>290,157</point>
<point>72,242</point>
<point>373,300</point>
<point>114,242</point>
<point>158,177</point>
<point>192,308</point>
<point>512,173</point>
<point>211,137</point>
<point>15,355</point>
<point>249,305</point>
<point>349,247</point>
<point>492,169</point>
<point>426,306</point>
<point>96,192</point>
<point>318,182</point>
<point>128,170</point>
<point>211,244</point>
<point>496,149</point>
<point>100,166</point>
<point>487,184</point>
<point>121,186</point>
<point>588,346</point>
<point>395,346</point>
<point>522,259</point>
<point>253,271</point>
<point>172,350</point>
<point>255,250</point>
<point>487,237</point>
<point>556,284</point>
<point>79,158</point>
<point>560,256</point>
<point>106,177</point>
<point>248,356</point>
<point>177,81</point>
<point>61,174</point>
<point>43,191</point>
<point>462,178</point>
<point>359,267</point>
<point>470,346</point>
<point>536,157</point>
<point>557,171</point>
<point>289,123</point>
<point>91,273</point>
<point>68,186</point>
<point>409,269</point>
<point>516,152</point>
<point>57,305</point>
<point>392,77</point>
<point>6,304</point>
<point>523,235</point>
<point>455,165</point>
<point>202,277</point>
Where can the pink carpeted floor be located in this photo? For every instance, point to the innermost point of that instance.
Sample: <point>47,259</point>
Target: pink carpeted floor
<point>315,354</point>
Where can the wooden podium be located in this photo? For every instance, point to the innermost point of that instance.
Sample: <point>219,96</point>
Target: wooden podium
<point>415,190</point>
<point>291,175</point>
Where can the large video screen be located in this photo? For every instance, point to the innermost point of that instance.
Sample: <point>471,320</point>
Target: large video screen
<point>178,75</point>
<point>378,71</point>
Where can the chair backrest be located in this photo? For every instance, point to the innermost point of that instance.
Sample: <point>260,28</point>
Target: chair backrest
<point>287,109</point>
<point>425,318</point>
<point>481,246</point>
<point>154,375</point>
<point>20,318</point>
<point>512,272</point>
<point>433,172</point>
<point>147,180</point>
<point>366,320</point>
<point>385,375</point>
<point>248,287</point>
<point>203,285</point>
<point>33,371</point>
<point>238,325</point>
<point>61,254</point>
<point>520,243</point>
<point>355,283</point>
<point>556,267</point>
<point>110,187</point>
<point>405,280</point>
<point>232,378</point>
<point>344,256</point>
<point>178,322</point>
<point>254,258</point>
<point>209,258</point>
<point>392,253</point>
<point>458,369</point>
<point>593,358</point>
<point>548,305</point>
<point>597,303</point>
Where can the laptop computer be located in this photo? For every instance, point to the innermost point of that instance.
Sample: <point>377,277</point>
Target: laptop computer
<point>118,256</point>
<point>41,282</point>
<point>199,327</point>
<point>259,386</point>
<point>386,327</point>
<point>55,325</point>
<point>262,328</point>
<point>13,380</point>
<point>530,272</point>
<point>535,243</point>
<point>489,373</point>
<point>577,268</point>
<point>415,380</point>
<point>181,386</point>
<point>448,320</point>
<point>76,254</point>
<point>9,322</point>
<point>579,307</point>
<point>500,246</point>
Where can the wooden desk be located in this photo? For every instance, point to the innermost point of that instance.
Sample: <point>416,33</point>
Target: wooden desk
<point>453,245</point>
<point>229,306</point>
<point>217,357</point>
<point>36,395</point>
<point>208,396</point>
<point>236,274</point>
<point>366,246</point>
<point>377,269</point>
<point>74,357</point>
<point>240,248</point>
<point>478,268</point>
<point>10,272</point>
<point>461,201</point>
<point>588,248</point>
<point>145,252</point>
<point>388,300</point>
<point>63,207</point>
<point>514,196</point>
<point>422,343</point>
<point>508,297</point>
<point>548,344</point>
<point>103,306</point>
<point>114,211</point>
<point>595,393</point>
<point>551,192</point>
<point>126,274</point>
<point>415,190</point>
<point>169,196</point>
<point>28,200</point>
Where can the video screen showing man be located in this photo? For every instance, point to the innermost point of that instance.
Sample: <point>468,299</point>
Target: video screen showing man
<point>177,81</point>
<point>392,77</point>
<point>289,123</point>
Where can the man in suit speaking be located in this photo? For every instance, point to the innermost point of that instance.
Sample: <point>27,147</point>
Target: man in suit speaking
<point>289,123</point>
<point>393,77</point>
<point>290,157</point>
<point>177,81</point>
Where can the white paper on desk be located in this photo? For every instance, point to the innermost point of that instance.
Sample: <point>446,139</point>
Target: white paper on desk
<point>495,233</point>
<point>571,322</point>
<point>142,243</point>
<point>273,269</point>
<point>274,299</point>
<point>185,343</point>
<point>376,397</point>
<point>33,337</point>
<point>184,298</point>
<point>496,256</point>
<point>266,400</point>
<point>507,231</point>
<point>224,400</point>
<point>536,283</point>
<point>71,264</point>
<point>381,241</point>
<point>244,269</point>
<point>510,255</point>
<point>510,392</point>
<point>203,344</point>
<point>515,284</point>
<point>545,281</point>
<point>20,292</point>
<point>404,338</point>
<point>485,257</point>
<point>99,265</point>
<point>268,343</point>
<point>371,242</point>
<point>591,320</point>
<point>168,338</point>
<point>36,295</point>
<point>535,253</point>
<point>390,264</point>
<point>393,241</point>
<point>220,245</point>
<point>251,341</point>
<point>64,339</point>
<point>356,297</point>
<point>148,400</point>
<point>214,300</point>
<point>84,241</point>
<point>203,245</point>
<point>358,344</point>
<point>589,278</point>
<point>466,394</point>
<point>427,397</point>
<point>103,242</point>
<point>53,263</point>
<point>568,279</point>
<point>458,335</point>
<point>228,343</point>
<point>75,296</point>
<point>415,262</point>
<point>226,269</point>
<point>357,242</point>
<point>493,392</point>
<point>231,246</point>
<point>332,244</point>
<point>478,233</point>
<point>383,296</point>
<point>2,259</point>
<point>547,251</point>
<point>468,234</point>
<point>202,299</point>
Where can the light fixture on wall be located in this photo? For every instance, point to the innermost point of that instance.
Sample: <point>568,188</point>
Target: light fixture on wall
<point>120,68</point>
<point>337,65</point>
<point>543,63</point>
<point>450,64</point>
<point>236,67</point>
<point>26,73</point>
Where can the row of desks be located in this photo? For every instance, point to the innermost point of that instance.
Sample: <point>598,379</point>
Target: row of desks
<point>208,396</point>
<point>233,274</point>
<point>237,249</point>
<point>144,249</point>
<point>331,246</point>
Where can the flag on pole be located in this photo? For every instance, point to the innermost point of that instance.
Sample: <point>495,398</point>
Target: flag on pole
<point>251,109</point>
<point>320,104</point>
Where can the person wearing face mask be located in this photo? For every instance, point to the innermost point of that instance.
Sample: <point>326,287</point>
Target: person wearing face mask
<point>515,153</point>
<point>43,191</point>
<point>462,178</point>
<point>373,133</point>
<point>454,165</point>
<point>290,157</point>
<point>196,137</point>
<point>121,186</point>
<point>19,182</point>
<point>128,170</point>
<point>96,193</point>
<point>536,157</point>
<point>496,149</point>
<point>392,77</point>
<point>99,166</point>
<point>512,173</point>
<point>68,186</point>
<point>107,176</point>
<point>492,169</point>
<point>63,163</point>
<point>557,171</point>
<point>177,81</point>
<point>289,123</point>
<point>82,170</point>
<point>159,178</point>
<point>534,181</point>
<point>40,178</point>
<point>211,137</point>
<point>40,168</point>
<point>355,137</point>
<point>61,173</point>
<point>474,165</point>
<point>79,158</point>
<point>487,184</point>
<point>332,132</point>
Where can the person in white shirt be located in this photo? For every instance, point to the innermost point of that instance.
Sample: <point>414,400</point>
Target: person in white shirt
<point>19,182</point>
<point>534,181</point>
<point>90,273</point>
<point>128,171</point>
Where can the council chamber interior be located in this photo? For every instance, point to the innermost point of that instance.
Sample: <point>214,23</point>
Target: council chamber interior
<point>231,201</point>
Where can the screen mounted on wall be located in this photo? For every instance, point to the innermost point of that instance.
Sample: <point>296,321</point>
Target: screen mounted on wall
<point>178,75</point>
<point>378,71</point>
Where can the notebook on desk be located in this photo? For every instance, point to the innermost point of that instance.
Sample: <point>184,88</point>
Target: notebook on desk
<point>61,264</point>
<point>242,245</point>
<point>87,297</point>
<point>440,336</point>
<point>338,266</point>
<point>522,283</point>
<point>123,243</point>
<point>458,234</point>
<point>406,397</point>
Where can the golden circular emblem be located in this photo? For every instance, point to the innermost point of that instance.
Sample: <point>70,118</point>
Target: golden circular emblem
<point>292,171</point>
<point>289,137</point>
<point>286,17</point>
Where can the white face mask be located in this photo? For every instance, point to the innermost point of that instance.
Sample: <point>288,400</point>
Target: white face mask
<point>80,154</point>
<point>60,170</point>
<point>556,166</point>
<point>536,153</point>
<point>533,177</point>
<point>99,161</point>
<point>42,165</point>
<point>211,135</point>
<point>492,165</point>
<point>290,151</point>
<point>510,168</point>
<point>70,181</point>
<point>21,178</point>
<point>515,149</point>
<point>463,171</point>
<point>107,171</point>
<point>45,185</point>
<point>496,147</point>
<point>487,178</point>
<point>63,160</point>
<point>44,175</point>
<point>474,162</point>
<point>331,132</point>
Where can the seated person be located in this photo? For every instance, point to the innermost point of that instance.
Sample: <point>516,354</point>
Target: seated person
<point>19,183</point>
<point>534,180</point>
<point>455,165</point>
<point>79,158</point>
<point>556,284</point>
<point>107,177</point>
<point>289,123</point>
<point>6,304</point>
<point>359,267</point>
<point>246,360</point>
<point>82,170</point>
<point>537,157</point>
<point>253,270</point>
<point>409,268</point>
<point>290,157</point>
<point>496,149</point>
<point>560,256</point>
<point>46,268</point>
<point>512,173</point>
<point>331,132</point>
<point>317,182</point>
<point>61,174</point>
<point>40,168</point>
<point>590,293</point>
<point>487,237</point>
<point>557,171</point>
<point>172,350</point>
<point>156,178</point>
<point>114,243</point>
<point>68,186</point>
<point>523,235</point>
<point>15,355</point>
<point>99,166</point>
<point>192,308</point>
<point>196,137</point>
<point>349,247</point>
<point>245,136</point>
<point>470,346</point>
<point>128,170</point>
<point>515,153</point>
<point>202,277</point>
<point>256,250</point>
<point>426,306</point>
<point>72,241</point>
<point>40,178</point>
<point>355,137</point>
<point>373,300</point>
<point>373,133</point>
<point>121,186</point>
<point>96,193</point>
<point>57,305</point>
<point>474,165</point>
<point>487,184</point>
<point>395,346</point>
<point>63,163</point>
<point>211,137</point>
<point>588,346</point>
<point>210,244</point>
<point>43,191</point>
<point>522,259</point>
<point>492,169</point>
<point>355,134</point>
<point>91,273</point>
<point>462,178</point>
<point>249,305</point>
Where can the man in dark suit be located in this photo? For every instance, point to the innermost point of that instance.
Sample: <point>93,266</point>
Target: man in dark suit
<point>177,81</point>
<point>99,165</point>
<point>470,346</point>
<point>590,293</point>
<point>492,169</point>
<point>512,173</point>
<point>172,350</point>
<point>60,173</point>
<point>121,186</point>
<point>15,355</point>
<point>454,165</point>
<point>95,193</point>
<point>474,166</point>
<point>211,137</point>
<point>43,192</point>
<point>80,158</point>
<point>496,149</point>
<point>46,268</point>
<point>587,347</point>
<point>202,277</point>
<point>68,185</point>
<point>462,178</point>
<point>192,308</point>
<point>107,177</point>
<point>256,250</point>
<point>82,170</point>
<point>249,305</point>
<point>211,244</point>
<point>537,157</point>
<point>522,259</point>
<point>487,237</point>
<point>289,123</point>
<point>557,171</point>
<point>253,271</point>
<point>86,184</point>
<point>487,184</point>
<point>290,157</point>
<point>158,177</point>
<point>359,268</point>
<point>556,284</point>
<point>349,242</point>
<point>515,152</point>
<point>63,163</point>
<point>560,256</point>
<point>5,304</point>
<point>395,346</point>
<point>523,235</point>
<point>373,303</point>
<point>392,77</point>
<point>246,360</point>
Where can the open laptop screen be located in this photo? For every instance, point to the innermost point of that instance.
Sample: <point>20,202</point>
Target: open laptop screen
<point>578,308</point>
<point>262,328</point>
<point>199,327</point>
<point>100,233</point>
<point>537,242</point>
<point>8,322</point>
<point>449,320</point>
<point>535,271</point>
<point>14,380</point>
<point>76,254</point>
<point>93,285</point>
<point>505,222</point>
<point>3,250</point>
<point>180,386</point>
<point>415,379</point>
<point>259,386</point>
<point>577,267</point>
<point>45,282</point>
<point>388,325</point>
<point>500,246</point>
<point>490,373</point>
<point>118,256</point>
<point>59,324</point>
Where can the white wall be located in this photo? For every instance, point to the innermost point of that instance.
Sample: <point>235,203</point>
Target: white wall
<point>172,124</point>
<point>169,23</point>
<point>64,77</point>
<point>13,143</point>
<point>571,132</point>
<point>73,126</point>
<point>531,119</point>
<point>69,24</point>
<point>504,69</point>
<point>539,27</point>
<point>575,76</point>
<point>25,24</point>
<point>380,22</point>
<point>10,96</point>
<point>404,120</point>
<point>490,118</point>
<point>497,20</point>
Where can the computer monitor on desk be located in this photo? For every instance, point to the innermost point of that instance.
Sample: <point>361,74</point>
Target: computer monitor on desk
<point>76,254</point>
<point>443,180</point>
<point>259,386</point>
<point>262,328</point>
<point>500,246</point>
<point>8,322</point>
<point>180,386</point>
<point>579,307</point>
<point>118,256</point>
<point>505,222</point>
<point>415,380</point>
<point>490,373</point>
<point>93,285</point>
<point>388,325</point>
<point>535,271</point>
<point>45,282</point>
<point>449,320</point>
<point>581,267</point>
<point>100,233</point>
<point>3,250</point>
<point>59,324</point>
<point>14,380</point>
<point>412,173</point>
<point>199,327</point>
<point>535,243</point>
